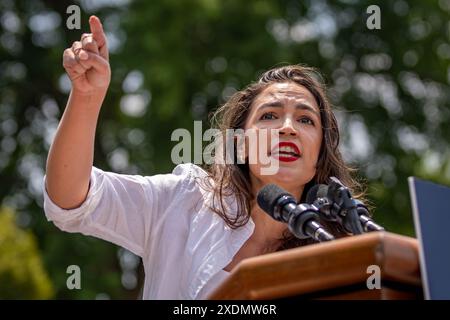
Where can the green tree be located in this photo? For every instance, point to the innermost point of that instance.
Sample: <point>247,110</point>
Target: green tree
<point>174,61</point>
<point>22,275</point>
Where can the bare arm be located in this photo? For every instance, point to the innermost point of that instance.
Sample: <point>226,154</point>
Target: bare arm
<point>71,154</point>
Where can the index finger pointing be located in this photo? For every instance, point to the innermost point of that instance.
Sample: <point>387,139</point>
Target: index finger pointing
<point>97,31</point>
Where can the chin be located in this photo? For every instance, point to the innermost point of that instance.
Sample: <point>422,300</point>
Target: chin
<point>286,177</point>
<point>287,182</point>
<point>290,177</point>
<point>289,172</point>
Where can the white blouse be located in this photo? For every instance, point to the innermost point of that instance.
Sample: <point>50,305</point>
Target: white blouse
<point>164,219</point>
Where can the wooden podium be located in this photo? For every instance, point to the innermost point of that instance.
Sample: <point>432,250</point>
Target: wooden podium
<point>331,270</point>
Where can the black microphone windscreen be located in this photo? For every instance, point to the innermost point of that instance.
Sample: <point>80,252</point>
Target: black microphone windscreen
<point>312,194</point>
<point>268,196</point>
<point>323,191</point>
<point>317,191</point>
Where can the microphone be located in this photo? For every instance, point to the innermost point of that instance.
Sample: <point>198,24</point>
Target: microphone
<point>330,204</point>
<point>367,222</point>
<point>302,219</point>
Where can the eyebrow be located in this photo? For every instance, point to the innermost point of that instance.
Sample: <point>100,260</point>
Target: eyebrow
<point>300,105</point>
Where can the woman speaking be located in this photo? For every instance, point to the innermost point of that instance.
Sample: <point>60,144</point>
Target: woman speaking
<point>193,226</point>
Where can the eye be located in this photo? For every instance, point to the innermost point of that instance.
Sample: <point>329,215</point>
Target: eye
<point>306,120</point>
<point>268,116</point>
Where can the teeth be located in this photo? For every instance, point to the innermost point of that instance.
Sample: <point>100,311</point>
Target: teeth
<point>286,149</point>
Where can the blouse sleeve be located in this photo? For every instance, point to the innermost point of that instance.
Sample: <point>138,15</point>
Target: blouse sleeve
<point>121,208</point>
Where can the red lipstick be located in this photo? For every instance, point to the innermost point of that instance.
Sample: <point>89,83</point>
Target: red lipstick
<point>286,152</point>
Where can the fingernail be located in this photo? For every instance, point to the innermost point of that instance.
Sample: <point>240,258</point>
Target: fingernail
<point>83,55</point>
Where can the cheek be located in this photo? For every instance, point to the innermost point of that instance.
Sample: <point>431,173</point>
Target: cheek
<point>259,140</point>
<point>312,143</point>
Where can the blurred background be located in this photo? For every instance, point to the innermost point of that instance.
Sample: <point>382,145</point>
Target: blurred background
<point>173,62</point>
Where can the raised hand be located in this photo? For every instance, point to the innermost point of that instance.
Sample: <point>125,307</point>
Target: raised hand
<point>87,61</point>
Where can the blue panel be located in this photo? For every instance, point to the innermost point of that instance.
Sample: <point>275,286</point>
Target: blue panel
<point>431,208</point>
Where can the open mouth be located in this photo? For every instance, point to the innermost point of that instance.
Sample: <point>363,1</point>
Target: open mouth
<point>286,151</point>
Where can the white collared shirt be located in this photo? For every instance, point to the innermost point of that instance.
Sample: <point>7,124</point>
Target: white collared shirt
<point>164,219</point>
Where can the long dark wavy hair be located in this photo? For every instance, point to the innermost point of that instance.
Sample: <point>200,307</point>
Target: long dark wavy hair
<point>226,180</point>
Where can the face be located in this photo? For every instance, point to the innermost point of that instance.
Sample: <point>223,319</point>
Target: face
<point>290,112</point>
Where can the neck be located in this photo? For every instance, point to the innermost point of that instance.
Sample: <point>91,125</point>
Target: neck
<point>295,191</point>
<point>268,232</point>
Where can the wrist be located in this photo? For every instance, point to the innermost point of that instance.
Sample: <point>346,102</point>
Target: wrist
<point>95,93</point>
<point>87,101</point>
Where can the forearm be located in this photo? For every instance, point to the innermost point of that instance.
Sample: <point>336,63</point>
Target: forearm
<point>71,154</point>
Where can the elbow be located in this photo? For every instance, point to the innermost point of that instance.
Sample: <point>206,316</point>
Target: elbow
<point>65,198</point>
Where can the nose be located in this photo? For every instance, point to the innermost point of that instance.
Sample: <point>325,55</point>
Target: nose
<point>287,128</point>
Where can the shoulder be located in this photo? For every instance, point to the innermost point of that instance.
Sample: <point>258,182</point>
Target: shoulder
<point>183,179</point>
<point>190,173</point>
<point>189,170</point>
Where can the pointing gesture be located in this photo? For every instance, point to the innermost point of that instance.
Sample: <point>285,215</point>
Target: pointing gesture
<point>99,36</point>
<point>87,61</point>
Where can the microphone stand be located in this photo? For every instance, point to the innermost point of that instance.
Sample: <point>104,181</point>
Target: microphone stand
<point>298,225</point>
<point>301,219</point>
<point>339,206</point>
<point>343,208</point>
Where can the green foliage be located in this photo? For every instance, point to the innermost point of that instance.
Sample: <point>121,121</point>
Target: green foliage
<point>22,275</point>
<point>390,88</point>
